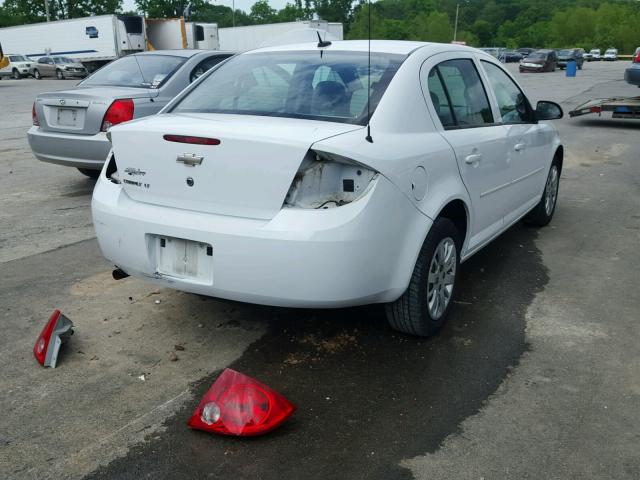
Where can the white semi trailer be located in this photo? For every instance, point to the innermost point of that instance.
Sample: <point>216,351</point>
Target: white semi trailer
<point>241,39</point>
<point>93,41</point>
<point>175,33</point>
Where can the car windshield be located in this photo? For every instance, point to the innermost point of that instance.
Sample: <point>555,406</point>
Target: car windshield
<point>595,51</point>
<point>610,51</point>
<point>141,71</point>
<point>565,53</point>
<point>60,60</point>
<point>317,85</point>
<point>537,56</point>
<point>17,58</point>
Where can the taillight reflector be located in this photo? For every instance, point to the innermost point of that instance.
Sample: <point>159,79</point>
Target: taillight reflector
<point>239,405</point>
<point>34,115</point>
<point>119,111</point>
<point>192,140</point>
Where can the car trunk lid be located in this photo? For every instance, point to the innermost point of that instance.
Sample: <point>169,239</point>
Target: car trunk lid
<point>82,110</point>
<point>247,174</point>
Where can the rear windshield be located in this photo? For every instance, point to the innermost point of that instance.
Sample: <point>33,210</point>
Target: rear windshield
<point>143,71</point>
<point>317,85</point>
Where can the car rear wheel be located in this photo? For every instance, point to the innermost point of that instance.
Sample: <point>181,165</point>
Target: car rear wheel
<point>36,74</point>
<point>89,172</point>
<point>423,307</point>
<point>59,75</point>
<point>542,214</point>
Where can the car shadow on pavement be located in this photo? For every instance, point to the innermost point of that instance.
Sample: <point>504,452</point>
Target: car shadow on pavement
<point>367,396</point>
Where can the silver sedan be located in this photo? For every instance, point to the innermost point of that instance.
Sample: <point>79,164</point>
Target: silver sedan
<point>69,127</point>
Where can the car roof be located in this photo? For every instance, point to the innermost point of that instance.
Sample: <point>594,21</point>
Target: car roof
<point>183,53</point>
<point>401,47</point>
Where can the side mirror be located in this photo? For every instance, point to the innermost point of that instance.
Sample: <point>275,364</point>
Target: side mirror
<point>546,110</point>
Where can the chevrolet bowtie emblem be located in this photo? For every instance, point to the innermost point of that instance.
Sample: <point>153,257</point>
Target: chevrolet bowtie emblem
<point>190,159</point>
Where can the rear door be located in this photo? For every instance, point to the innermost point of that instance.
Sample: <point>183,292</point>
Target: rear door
<point>526,142</point>
<point>453,85</point>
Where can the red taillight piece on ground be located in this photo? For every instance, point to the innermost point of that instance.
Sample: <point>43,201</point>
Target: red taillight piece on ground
<point>34,115</point>
<point>46,348</point>
<point>239,405</point>
<point>119,111</point>
<point>191,140</point>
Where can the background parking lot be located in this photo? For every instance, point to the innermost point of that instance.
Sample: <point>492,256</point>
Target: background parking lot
<point>536,374</point>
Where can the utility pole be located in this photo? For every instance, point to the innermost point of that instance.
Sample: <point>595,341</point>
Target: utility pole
<point>46,9</point>
<point>455,28</point>
<point>233,14</point>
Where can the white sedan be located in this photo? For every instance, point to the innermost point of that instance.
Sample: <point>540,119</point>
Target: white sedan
<point>301,176</point>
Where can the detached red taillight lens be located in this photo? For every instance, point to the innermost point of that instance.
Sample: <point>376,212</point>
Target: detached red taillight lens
<point>191,140</point>
<point>34,115</point>
<point>239,405</point>
<point>47,347</point>
<point>119,111</point>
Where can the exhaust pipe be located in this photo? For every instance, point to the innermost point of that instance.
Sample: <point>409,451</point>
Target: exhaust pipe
<point>119,274</point>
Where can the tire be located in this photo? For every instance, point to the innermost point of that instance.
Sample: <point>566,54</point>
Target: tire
<point>412,313</point>
<point>36,74</point>
<point>15,74</point>
<point>90,173</point>
<point>543,212</point>
<point>59,75</point>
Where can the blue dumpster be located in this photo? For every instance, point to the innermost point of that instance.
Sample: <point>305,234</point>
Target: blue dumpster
<point>572,66</point>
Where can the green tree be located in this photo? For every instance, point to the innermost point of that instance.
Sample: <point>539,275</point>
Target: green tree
<point>261,12</point>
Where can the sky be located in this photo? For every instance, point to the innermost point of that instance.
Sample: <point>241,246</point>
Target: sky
<point>240,4</point>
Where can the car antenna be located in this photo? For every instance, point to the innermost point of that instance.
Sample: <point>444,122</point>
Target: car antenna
<point>369,138</point>
<point>144,80</point>
<point>322,43</point>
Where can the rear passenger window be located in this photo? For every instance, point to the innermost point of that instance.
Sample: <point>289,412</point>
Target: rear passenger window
<point>459,82</point>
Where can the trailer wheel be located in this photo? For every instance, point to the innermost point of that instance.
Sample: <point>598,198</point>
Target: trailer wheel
<point>59,75</point>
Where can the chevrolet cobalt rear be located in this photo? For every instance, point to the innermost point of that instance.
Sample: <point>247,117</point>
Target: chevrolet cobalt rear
<point>301,176</point>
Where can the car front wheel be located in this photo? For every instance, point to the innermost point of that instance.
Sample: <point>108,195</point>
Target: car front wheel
<point>59,75</point>
<point>542,213</point>
<point>36,74</point>
<point>423,307</point>
<point>16,74</point>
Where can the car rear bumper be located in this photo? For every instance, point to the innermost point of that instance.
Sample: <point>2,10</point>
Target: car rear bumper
<point>80,151</point>
<point>632,75</point>
<point>360,253</point>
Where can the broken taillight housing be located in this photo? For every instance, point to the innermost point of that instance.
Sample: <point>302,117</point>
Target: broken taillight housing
<point>55,332</point>
<point>34,115</point>
<point>240,405</point>
<point>119,111</point>
<point>326,180</point>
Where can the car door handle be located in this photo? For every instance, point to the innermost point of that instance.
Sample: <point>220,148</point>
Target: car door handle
<point>519,147</point>
<point>473,158</point>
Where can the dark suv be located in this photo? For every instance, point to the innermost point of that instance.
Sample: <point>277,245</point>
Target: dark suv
<point>568,54</point>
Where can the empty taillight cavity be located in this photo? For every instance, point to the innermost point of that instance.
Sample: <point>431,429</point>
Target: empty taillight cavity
<point>191,139</point>
<point>34,115</point>
<point>119,111</point>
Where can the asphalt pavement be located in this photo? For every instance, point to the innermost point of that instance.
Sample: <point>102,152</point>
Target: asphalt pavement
<point>536,374</point>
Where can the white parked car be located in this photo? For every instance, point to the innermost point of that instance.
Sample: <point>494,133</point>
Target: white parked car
<point>261,182</point>
<point>19,67</point>
<point>611,55</point>
<point>594,55</point>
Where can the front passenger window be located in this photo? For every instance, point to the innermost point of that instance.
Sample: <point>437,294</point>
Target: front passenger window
<point>512,103</point>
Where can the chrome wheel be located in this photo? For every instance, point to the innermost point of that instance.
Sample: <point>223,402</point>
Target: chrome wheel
<point>551,190</point>
<point>442,276</point>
